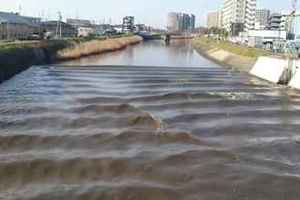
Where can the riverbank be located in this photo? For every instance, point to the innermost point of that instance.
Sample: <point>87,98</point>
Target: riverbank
<point>96,47</point>
<point>181,37</point>
<point>16,57</point>
<point>227,54</point>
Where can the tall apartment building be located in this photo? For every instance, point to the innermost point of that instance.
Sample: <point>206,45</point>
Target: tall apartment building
<point>239,15</point>
<point>192,22</point>
<point>181,22</point>
<point>214,19</point>
<point>262,18</point>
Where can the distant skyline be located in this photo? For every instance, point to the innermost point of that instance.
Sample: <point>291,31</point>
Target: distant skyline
<point>154,13</point>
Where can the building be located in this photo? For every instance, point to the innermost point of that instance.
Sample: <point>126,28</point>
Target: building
<point>181,22</point>
<point>57,29</point>
<point>237,28</point>
<point>79,22</point>
<point>296,28</point>
<point>118,28</point>
<point>214,19</point>
<point>83,31</point>
<point>262,19</point>
<point>173,22</point>
<point>260,38</point>
<point>128,24</point>
<point>192,22</point>
<point>15,26</point>
<point>141,27</point>
<point>103,29</point>
<point>184,23</point>
<point>239,15</point>
<point>84,27</point>
<point>277,21</point>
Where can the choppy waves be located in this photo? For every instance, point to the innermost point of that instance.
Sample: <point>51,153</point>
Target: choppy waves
<point>132,133</point>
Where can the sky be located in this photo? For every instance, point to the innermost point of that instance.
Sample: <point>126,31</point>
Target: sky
<point>152,12</point>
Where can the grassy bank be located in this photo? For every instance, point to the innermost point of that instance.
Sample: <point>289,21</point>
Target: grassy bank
<point>96,47</point>
<point>225,53</point>
<point>12,46</point>
<point>209,43</point>
<point>18,56</point>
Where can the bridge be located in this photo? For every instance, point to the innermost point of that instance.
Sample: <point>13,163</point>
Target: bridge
<point>164,36</point>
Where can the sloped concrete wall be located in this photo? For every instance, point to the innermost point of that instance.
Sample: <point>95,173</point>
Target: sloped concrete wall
<point>15,62</point>
<point>270,69</point>
<point>295,81</point>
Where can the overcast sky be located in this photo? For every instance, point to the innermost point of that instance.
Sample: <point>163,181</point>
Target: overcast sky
<point>151,12</point>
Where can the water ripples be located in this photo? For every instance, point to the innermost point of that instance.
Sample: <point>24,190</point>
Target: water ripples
<point>132,133</point>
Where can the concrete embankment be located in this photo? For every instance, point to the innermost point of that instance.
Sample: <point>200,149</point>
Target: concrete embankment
<point>228,55</point>
<point>260,63</point>
<point>18,57</point>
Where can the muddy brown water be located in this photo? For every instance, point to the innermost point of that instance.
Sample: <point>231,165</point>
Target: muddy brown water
<point>161,123</point>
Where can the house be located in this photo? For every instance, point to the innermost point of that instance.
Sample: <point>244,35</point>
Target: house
<point>14,26</point>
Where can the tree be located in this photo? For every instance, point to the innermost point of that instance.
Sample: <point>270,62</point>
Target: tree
<point>221,33</point>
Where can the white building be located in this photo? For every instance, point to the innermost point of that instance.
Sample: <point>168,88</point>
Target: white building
<point>277,21</point>
<point>214,19</point>
<point>85,31</point>
<point>84,27</point>
<point>296,28</point>
<point>239,14</point>
<point>261,38</point>
<point>181,22</point>
<point>262,18</point>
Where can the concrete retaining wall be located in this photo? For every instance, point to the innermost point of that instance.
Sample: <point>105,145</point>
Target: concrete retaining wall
<point>19,60</point>
<point>270,69</point>
<point>273,69</point>
<point>14,62</point>
<point>295,81</point>
<point>279,71</point>
<point>225,58</point>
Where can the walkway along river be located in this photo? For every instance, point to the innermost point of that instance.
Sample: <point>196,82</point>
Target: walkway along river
<point>188,129</point>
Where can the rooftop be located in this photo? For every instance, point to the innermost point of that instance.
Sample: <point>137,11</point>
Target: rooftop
<point>15,18</point>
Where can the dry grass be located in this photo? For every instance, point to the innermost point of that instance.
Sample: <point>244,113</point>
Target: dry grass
<point>97,47</point>
<point>209,43</point>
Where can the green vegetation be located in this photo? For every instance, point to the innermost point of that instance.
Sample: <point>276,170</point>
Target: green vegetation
<point>6,47</point>
<point>52,45</point>
<point>221,32</point>
<point>207,43</point>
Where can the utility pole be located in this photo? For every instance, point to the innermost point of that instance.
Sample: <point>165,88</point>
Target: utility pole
<point>291,17</point>
<point>291,53</point>
<point>7,31</point>
<point>58,26</point>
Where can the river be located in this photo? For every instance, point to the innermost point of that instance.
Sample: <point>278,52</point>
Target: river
<point>151,122</point>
